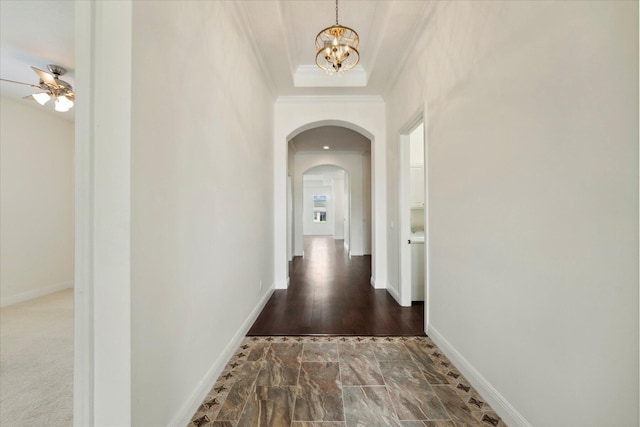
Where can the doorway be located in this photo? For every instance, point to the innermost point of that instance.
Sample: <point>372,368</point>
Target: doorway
<point>342,169</point>
<point>413,215</point>
<point>326,197</point>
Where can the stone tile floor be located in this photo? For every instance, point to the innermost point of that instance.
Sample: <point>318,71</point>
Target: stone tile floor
<point>342,381</point>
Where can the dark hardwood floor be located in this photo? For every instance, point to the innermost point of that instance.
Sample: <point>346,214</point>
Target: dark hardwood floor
<point>329,294</point>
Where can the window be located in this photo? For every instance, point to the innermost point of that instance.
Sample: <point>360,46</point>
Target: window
<point>319,208</point>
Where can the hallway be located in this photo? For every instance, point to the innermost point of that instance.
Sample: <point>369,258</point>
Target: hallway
<point>187,173</point>
<point>330,294</point>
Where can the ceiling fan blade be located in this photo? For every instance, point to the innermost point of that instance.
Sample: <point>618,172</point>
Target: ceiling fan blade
<point>45,77</point>
<point>21,83</point>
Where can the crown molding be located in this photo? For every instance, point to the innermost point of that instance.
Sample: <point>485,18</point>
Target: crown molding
<point>243,23</point>
<point>312,76</point>
<point>359,99</point>
<point>334,152</point>
<point>290,43</point>
<point>428,11</point>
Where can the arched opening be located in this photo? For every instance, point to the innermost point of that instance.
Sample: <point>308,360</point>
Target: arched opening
<point>364,118</point>
<point>320,149</point>
<point>326,203</point>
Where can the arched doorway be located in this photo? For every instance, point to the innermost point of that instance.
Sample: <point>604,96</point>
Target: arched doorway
<point>312,155</point>
<point>364,115</point>
<point>326,203</point>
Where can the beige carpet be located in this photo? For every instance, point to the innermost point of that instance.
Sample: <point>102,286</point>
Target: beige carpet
<point>36,362</point>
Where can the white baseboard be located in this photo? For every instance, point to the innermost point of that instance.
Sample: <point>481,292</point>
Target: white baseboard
<point>394,293</point>
<point>183,417</point>
<point>36,293</point>
<point>377,284</point>
<point>498,403</point>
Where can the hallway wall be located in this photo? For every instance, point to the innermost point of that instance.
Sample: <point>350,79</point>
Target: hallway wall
<point>202,199</point>
<point>532,133</point>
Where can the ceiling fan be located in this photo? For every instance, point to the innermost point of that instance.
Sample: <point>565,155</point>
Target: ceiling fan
<point>52,86</point>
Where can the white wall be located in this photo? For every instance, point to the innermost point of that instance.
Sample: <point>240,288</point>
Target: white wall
<point>367,223</point>
<point>347,212</point>
<point>102,304</point>
<point>202,200</point>
<point>339,209</point>
<point>290,210</point>
<point>36,194</point>
<point>532,133</point>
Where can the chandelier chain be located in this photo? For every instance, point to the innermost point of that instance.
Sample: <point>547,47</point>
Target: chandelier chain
<point>336,12</point>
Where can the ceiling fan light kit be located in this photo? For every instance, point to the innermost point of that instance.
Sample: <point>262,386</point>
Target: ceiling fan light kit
<point>63,103</point>
<point>337,48</point>
<point>54,88</point>
<point>41,98</point>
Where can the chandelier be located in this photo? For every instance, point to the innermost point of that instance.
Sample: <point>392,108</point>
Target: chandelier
<point>337,48</point>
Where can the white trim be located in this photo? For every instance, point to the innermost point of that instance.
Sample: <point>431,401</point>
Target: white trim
<point>244,26</point>
<point>498,402</point>
<point>404,221</point>
<point>404,217</point>
<point>330,99</point>
<point>285,16</point>
<point>423,22</point>
<point>394,293</point>
<point>427,227</point>
<point>36,293</point>
<point>190,406</point>
<point>83,355</point>
<point>335,152</point>
<point>312,76</point>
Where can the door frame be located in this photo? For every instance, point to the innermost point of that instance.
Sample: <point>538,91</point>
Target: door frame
<point>404,217</point>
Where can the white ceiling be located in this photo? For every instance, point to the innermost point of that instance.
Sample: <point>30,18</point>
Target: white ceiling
<point>35,33</point>
<point>335,137</point>
<point>42,32</point>
<point>285,32</point>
